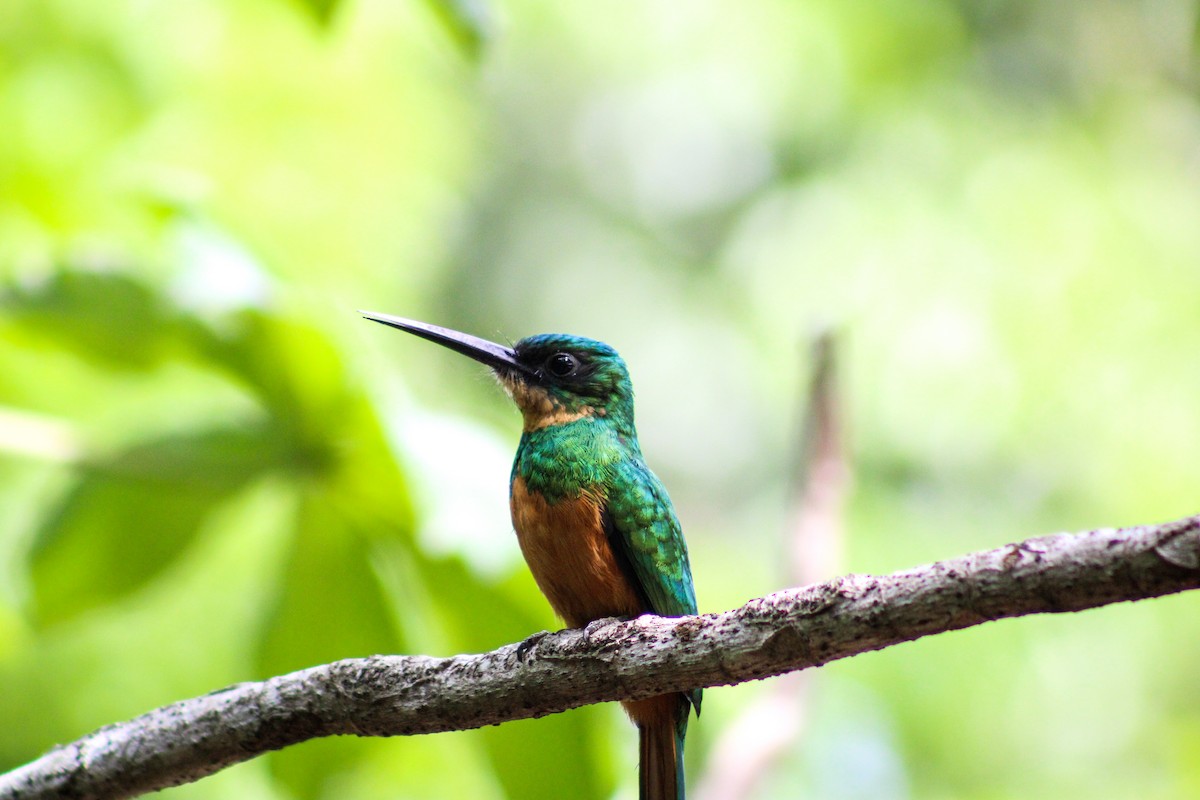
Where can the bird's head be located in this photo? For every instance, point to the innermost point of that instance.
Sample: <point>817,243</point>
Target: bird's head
<point>553,378</point>
<point>565,377</point>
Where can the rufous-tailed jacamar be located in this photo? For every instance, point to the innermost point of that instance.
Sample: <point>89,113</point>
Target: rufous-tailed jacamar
<point>594,523</point>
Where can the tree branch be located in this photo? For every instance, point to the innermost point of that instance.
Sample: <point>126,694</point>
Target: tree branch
<point>614,660</point>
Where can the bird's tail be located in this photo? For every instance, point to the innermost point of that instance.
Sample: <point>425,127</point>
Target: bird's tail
<point>662,726</point>
<point>660,771</point>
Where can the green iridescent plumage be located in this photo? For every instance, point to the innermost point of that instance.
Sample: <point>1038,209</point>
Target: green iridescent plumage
<point>588,454</point>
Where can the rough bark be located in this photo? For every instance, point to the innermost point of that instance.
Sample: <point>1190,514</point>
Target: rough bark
<point>615,660</point>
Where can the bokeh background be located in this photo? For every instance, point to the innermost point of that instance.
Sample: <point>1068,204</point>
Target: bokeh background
<point>211,470</point>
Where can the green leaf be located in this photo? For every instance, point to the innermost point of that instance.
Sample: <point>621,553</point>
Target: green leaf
<point>330,606</point>
<point>294,371</point>
<point>130,516</point>
<point>335,438</point>
<point>107,318</point>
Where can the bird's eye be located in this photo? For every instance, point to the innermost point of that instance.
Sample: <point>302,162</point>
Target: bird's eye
<point>562,365</point>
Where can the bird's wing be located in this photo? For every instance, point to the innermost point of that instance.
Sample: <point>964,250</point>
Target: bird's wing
<point>648,544</point>
<point>646,539</point>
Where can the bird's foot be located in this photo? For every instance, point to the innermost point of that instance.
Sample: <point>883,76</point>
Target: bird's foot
<point>597,625</point>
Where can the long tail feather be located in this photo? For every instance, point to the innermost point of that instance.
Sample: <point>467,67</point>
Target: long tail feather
<point>660,738</point>
<point>660,769</point>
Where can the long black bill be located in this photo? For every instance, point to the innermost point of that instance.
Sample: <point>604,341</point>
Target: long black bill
<point>494,355</point>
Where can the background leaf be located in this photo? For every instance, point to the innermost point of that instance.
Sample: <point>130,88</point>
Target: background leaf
<point>330,606</point>
<point>109,318</point>
<point>128,517</point>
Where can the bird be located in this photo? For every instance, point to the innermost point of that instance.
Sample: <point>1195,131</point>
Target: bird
<point>595,525</point>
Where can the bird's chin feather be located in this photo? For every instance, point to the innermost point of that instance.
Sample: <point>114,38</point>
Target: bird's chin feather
<point>539,408</point>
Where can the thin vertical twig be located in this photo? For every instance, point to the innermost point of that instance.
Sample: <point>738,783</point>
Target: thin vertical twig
<point>767,729</point>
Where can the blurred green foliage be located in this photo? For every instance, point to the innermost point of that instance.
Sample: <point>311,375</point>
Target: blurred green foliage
<point>212,471</point>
